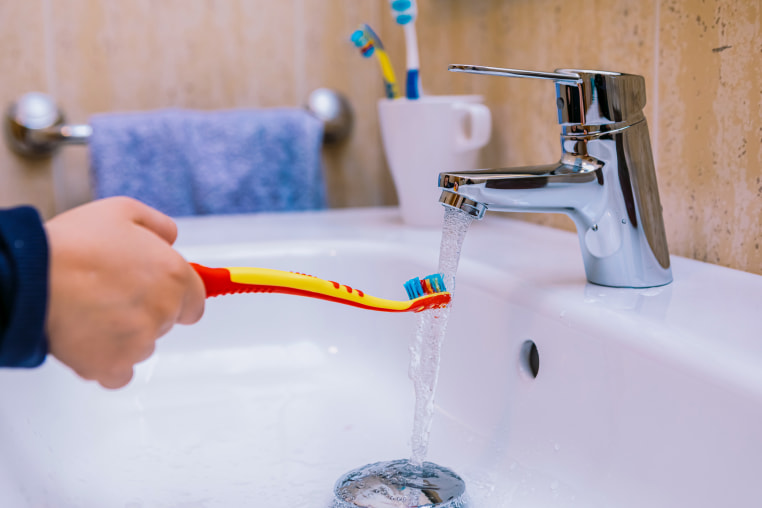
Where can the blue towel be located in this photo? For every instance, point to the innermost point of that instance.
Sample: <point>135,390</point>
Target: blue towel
<point>193,163</point>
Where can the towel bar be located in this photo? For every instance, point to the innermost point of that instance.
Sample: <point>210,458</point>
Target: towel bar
<point>36,127</point>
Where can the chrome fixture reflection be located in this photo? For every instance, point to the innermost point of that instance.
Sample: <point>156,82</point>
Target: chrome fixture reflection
<point>605,179</point>
<point>334,110</point>
<point>35,126</point>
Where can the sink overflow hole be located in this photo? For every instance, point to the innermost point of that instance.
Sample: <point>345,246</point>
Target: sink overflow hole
<point>529,359</point>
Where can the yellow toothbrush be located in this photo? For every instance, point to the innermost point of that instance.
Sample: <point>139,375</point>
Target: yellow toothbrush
<point>369,44</point>
<point>426,293</point>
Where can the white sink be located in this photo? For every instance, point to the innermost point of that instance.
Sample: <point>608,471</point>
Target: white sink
<point>643,397</point>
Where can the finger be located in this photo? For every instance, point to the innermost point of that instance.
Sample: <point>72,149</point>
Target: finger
<point>193,300</point>
<point>116,379</point>
<point>146,351</point>
<point>154,221</point>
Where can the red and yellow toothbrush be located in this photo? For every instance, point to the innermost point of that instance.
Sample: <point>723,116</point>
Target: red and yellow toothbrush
<point>424,294</point>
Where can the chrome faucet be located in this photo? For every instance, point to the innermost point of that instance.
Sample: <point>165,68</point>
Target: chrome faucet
<point>605,180</point>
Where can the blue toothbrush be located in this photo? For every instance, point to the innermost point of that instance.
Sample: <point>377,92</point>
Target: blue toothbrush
<point>405,12</point>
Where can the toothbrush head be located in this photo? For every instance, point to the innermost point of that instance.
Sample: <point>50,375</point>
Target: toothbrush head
<point>426,286</point>
<point>404,11</point>
<point>427,293</point>
<point>363,42</point>
<point>372,36</point>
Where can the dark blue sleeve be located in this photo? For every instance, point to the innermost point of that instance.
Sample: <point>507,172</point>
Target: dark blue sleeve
<point>23,288</point>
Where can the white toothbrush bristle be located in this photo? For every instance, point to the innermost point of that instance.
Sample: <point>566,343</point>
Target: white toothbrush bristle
<point>404,11</point>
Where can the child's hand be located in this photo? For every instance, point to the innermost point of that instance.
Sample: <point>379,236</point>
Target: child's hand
<point>116,285</point>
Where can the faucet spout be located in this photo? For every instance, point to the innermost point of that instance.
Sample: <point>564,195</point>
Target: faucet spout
<point>605,179</point>
<point>572,188</point>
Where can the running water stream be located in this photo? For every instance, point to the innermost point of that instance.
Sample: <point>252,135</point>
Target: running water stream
<point>414,483</point>
<point>426,346</point>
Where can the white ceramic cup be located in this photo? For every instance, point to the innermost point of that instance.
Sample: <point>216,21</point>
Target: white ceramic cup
<point>426,136</point>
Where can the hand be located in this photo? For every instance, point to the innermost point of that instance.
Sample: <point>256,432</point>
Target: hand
<point>116,285</point>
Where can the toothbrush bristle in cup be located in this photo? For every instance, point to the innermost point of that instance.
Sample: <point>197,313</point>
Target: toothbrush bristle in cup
<point>363,43</point>
<point>404,11</point>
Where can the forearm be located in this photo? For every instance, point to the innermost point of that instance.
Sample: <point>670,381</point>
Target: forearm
<point>23,288</point>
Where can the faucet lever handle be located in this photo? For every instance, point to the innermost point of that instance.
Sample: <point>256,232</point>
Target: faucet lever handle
<point>558,77</point>
<point>584,97</point>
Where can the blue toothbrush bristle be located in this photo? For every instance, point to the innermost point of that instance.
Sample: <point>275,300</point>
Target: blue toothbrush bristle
<point>432,284</point>
<point>403,11</point>
<point>361,40</point>
<point>357,37</point>
<point>413,288</point>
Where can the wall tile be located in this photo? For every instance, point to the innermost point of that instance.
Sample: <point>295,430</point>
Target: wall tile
<point>701,65</point>
<point>196,54</point>
<point>538,35</point>
<point>710,127</point>
<point>700,61</point>
<point>23,69</point>
<point>356,171</point>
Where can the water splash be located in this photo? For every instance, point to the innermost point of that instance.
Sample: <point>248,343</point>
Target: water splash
<point>426,346</point>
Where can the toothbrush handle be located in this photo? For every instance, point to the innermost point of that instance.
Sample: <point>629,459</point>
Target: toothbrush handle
<point>232,280</point>
<point>413,78</point>
<point>387,71</point>
<point>216,280</point>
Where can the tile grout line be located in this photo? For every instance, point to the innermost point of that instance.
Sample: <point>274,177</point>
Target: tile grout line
<point>655,86</point>
<point>300,42</point>
<point>51,82</point>
<point>47,27</point>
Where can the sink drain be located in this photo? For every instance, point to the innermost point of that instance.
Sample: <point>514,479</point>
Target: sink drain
<point>400,484</point>
<point>529,359</point>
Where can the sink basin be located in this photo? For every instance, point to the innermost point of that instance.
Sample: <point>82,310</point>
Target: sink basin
<point>641,397</point>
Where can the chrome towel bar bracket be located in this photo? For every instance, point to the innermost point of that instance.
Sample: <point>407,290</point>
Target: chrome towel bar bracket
<point>35,126</point>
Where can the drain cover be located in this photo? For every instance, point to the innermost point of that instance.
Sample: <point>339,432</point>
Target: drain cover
<point>400,484</point>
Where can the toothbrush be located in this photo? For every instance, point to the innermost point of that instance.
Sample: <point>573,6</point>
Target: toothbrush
<point>424,294</point>
<point>370,43</point>
<point>405,12</point>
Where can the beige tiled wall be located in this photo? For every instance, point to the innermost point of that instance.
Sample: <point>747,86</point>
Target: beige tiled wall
<point>701,61</point>
<point>23,68</point>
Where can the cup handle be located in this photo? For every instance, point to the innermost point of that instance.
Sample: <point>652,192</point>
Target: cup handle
<point>481,125</point>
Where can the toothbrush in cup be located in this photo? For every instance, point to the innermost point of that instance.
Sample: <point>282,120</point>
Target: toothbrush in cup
<point>424,294</point>
<point>404,13</point>
<point>369,44</point>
